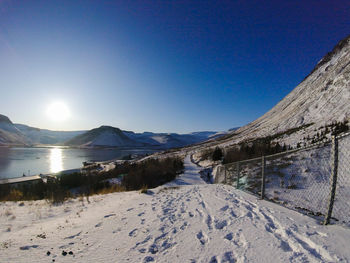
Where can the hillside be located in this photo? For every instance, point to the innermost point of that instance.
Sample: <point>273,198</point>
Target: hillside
<point>9,134</point>
<point>320,99</point>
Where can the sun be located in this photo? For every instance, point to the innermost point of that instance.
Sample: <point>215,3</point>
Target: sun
<point>58,111</point>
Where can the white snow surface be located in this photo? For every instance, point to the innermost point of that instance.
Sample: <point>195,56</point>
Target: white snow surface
<point>174,223</point>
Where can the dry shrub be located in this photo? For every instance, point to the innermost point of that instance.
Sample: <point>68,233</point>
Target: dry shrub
<point>152,172</point>
<point>206,154</point>
<point>14,195</point>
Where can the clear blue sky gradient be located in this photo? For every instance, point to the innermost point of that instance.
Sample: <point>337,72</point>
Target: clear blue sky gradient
<point>163,66</point>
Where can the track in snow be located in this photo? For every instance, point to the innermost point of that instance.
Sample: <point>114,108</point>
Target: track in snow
<point>190,176</point>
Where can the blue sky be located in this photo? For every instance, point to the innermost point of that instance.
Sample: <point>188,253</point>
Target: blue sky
<point>163,66</point>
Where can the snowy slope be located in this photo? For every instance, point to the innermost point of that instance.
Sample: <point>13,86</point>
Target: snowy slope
<point>9,134</point>
<point>321,98</point>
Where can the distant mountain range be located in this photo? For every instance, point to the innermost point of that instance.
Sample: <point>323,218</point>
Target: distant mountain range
<point>105,136</point>
<point>110,136</point>
<point>43,136</point>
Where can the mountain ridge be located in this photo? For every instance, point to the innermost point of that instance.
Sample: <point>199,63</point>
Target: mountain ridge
<point>319,100</point>
<point>104,136</point>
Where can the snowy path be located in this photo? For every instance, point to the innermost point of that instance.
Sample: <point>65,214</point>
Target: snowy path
<point>179,222</point>
<point>190,176</point>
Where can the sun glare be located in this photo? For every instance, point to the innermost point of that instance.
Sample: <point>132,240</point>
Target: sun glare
<point>58,111</point>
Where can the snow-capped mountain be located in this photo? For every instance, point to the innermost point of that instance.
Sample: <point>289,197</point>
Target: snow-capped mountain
<point>9,134</point>
<point>103,136</point>
<point>169,140</point>
<point>107,136</point>
<point>43,136</point>
<point>320,99</point>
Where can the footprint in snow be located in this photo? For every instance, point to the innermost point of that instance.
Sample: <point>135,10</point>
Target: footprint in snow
<point>28,247</point>
<point>117,230</point>
<point>202,239</point>
<point>229,236</point>
<point>228,257</point>
<point>249,214</point>
<point>233,213</point>
<point>213,260</point>
<point>148,259</point>
<point>153,249</point>
<point>133,233</point>
<point>285,246</point>
<point>185,224</point>
<point>73,236</point>
<point>106,216</point>
<point>220,224</point>
<point>224,208</point>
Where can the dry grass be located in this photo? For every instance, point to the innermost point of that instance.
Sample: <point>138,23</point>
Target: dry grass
<point>14,195</point>
<point>164,189</point>
<point>112,189</point>
<point>144,189</point>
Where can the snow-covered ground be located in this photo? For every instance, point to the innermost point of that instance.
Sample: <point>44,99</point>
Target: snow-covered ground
<point>174,223</point>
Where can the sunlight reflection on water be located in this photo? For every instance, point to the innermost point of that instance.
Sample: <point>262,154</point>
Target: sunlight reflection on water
<point>56,163</point>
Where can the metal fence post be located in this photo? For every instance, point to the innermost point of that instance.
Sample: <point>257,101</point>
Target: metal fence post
<point>225,171</point>
<point>334,167</point>
<point>263,163</point>
<point>237,185</point>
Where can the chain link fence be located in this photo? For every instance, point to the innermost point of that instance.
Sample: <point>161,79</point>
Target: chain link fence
<point>301,179</point>
<point>341,209</point>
